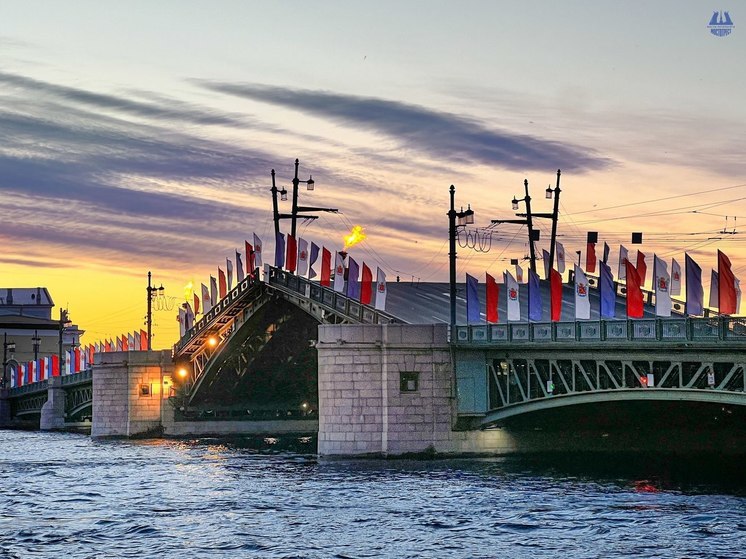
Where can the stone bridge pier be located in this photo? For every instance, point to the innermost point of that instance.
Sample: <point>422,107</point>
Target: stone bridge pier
<point>389,389</point>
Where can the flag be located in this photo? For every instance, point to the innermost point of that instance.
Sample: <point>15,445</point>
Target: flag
<point>493,294</point>
<point>694,293</point>
<point>738,296</point>
<point>240,273</point>
<point>545,259</point>
<point>606,253</point>
<point>634,291</point>
<point>130,342</point>
<point>380,289</point>
<point>512,296</point>
<point>292,253</point>
<point>222,291</point>
<point>302,257</point>
<point>213,291</point>
<point>353,282</point>
<point>607,294</point>
<point>196,303</point>
<point>714,296</point>
<point>144,346</point>
<point>77,359</point>
<point>366,287</point>
<point>279,250</point>
<point>182,322</point>
<point>675,277</point>
<point>560,257</point>
<point>662,287</point>
<point>518,274</point>
<point>727,297</point>
<point>313,256</point>
<point>250,255</point>
<point>534,296</point>
<point>206,300</point>
<point>555,291</point>
<point>189,317</point>
<point>136,338</point>
<point>622,273</point>
<point>326,268</point>
<point>472,300</point>
<point>107,345</point>
<point>55,365</point>
<point>339,274</point>
<point>256,262</point>
<point>590,258</point>
<point>229,269</point>
<point>642,268</point>
<point>582,300</point>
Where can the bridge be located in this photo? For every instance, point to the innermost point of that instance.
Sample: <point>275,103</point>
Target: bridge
<point>402,381</point>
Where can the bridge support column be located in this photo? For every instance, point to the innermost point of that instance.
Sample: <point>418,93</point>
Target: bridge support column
<point>53,411</point>
<point>4,407</point>
<point>128,393</point>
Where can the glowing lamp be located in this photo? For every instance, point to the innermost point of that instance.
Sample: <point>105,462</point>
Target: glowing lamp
<point>182,372</point>
<point>212,341</point>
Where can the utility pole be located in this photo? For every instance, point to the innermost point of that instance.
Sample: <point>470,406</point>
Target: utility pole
<point>532,236</point>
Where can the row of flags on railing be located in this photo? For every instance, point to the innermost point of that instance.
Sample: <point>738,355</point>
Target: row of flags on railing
<point>725,292</point>
<point>76,359</point>
<point>300,257</point>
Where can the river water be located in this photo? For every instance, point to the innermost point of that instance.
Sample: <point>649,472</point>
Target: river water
<point>64,495</point>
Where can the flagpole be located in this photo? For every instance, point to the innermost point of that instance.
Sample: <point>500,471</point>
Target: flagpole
<point>555,217</point>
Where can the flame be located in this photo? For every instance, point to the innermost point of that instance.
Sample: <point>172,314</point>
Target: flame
<point>357,235</point>
<point>189,292</point>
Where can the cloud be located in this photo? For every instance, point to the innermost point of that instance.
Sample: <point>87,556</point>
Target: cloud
<point>442,135</point>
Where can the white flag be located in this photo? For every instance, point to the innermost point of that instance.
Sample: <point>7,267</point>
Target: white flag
<point>182,323</point>
<point>257,252</point>
<point>518,273</point>
<point>622,275</point>
<point>380,290</point>
<point>560,257</point>
<point>136,337</point>
<point>675,278</point>
<point>229,268</point>
<point>206,302</point>
<point>130,342</point>
<point>662,287</point>
<point>339,274</point>
<point>714,290</point>
<point>738,295</point>
<point>302,268</point>
<point>582,299</point>
<point>513,297</point>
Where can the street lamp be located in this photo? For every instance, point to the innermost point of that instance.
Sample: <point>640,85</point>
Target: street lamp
<point>7,347</point>
<point>152,292</point>
<point>296,209</point>
<point>464,218</point>
<point>36,340</point>
<point>533,235</point>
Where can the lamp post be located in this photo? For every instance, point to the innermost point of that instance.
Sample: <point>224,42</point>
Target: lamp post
<point>464,218</point>
<point>152,292</point>
<point>36,340</point>
<point>532,235</point>
<point>296,209</point>
<point>7,347</point>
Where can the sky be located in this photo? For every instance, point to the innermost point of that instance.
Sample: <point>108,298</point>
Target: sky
<point>140,136</point>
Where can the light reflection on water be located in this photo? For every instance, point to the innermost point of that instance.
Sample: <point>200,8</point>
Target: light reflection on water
<point>68,495</point>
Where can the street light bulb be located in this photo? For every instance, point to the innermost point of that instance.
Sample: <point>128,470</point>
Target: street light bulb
<point>309,183</point>
<point>515,203</point>
<point>212,341</point>
<point>182,372</point>
<point>469,214</point>
<point>283,195</point>
<point>549,192</point>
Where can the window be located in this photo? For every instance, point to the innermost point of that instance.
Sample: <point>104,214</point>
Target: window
<point>409,381</point>
<point>144,390</point>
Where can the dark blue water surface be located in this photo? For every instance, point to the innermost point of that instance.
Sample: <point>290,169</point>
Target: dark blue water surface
<point>66,495</point>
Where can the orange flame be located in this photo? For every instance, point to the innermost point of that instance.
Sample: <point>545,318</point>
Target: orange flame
<point>357,235</point>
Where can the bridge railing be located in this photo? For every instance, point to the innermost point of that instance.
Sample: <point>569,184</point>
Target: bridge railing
<point>326,297</point>
<point>221,307</point>
<point>729,329</point>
